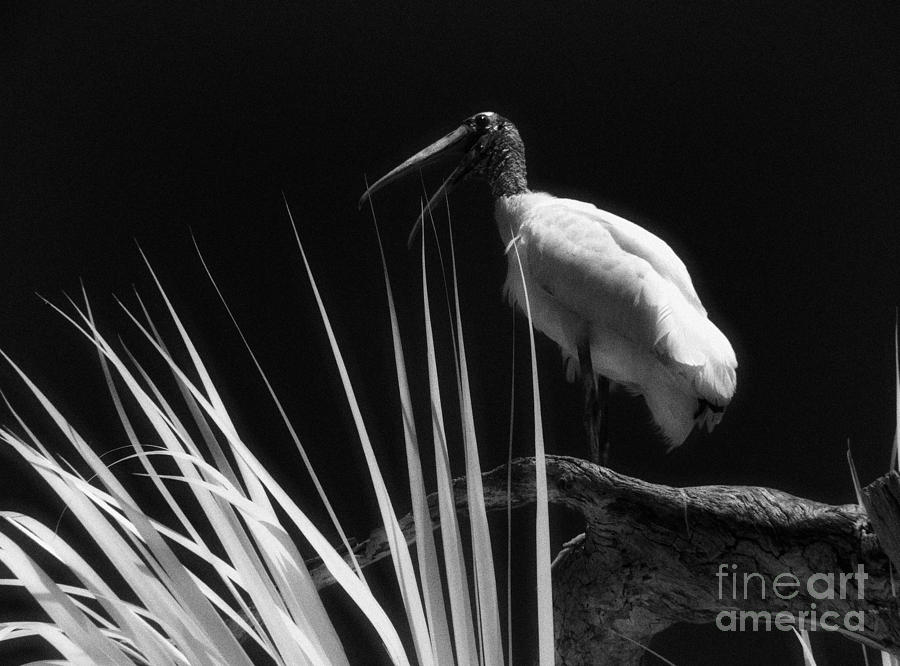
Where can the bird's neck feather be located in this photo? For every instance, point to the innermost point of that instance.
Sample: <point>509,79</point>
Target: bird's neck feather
<point>510,213</point>
<point>506,171</point>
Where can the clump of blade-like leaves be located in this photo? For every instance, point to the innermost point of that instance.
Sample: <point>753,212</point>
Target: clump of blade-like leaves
<point>255,576</point>
<point>254,586</point>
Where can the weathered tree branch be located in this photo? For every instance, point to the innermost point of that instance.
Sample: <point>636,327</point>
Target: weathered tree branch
<point>654,555</point>
<point>882,502</point>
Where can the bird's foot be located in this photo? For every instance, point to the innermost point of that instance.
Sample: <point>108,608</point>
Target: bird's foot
<point>703,404</point>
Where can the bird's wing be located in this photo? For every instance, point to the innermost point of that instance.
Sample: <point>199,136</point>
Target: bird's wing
<point>641,243</point>
<point>609,278</point>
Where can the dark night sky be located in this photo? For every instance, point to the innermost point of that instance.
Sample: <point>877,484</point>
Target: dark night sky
<point>758,138</point>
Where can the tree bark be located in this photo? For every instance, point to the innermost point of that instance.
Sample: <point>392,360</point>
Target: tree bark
<point>654,555</point>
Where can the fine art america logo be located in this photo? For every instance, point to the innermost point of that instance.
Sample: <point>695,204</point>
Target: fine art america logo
<point>786,586</point>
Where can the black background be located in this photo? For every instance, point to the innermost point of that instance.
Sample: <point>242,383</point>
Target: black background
<point>758,138</point>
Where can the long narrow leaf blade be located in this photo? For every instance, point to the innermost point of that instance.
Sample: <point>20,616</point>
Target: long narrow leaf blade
<point>401,559</point>
<point>546,643</point>
<point>430,573</point>
<point>485,580</point>
<point>454,558</point>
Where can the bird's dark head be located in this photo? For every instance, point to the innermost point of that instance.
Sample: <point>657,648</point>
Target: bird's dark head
<point>497,153</point>
<point>488,147</point>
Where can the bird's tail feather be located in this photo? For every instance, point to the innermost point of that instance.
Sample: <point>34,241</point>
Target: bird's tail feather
<point>673,412</point>
<point>716,382</point>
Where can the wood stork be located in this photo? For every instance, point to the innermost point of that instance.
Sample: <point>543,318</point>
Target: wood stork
<point>616,298</point>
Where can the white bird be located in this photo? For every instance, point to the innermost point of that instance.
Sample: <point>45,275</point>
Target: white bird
<point>616,298</point>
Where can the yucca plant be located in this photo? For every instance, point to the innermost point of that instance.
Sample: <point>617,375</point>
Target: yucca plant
<point>225,580</point>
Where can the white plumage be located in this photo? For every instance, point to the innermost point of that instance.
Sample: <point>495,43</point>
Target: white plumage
<point>595,279</point>
<point>590,272</point>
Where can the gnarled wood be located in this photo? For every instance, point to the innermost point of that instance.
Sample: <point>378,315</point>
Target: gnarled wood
<point>882,500</point>
<point>654,555</point>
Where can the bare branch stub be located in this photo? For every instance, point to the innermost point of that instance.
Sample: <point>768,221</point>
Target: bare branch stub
<point>882,499</point>
<point>651,555</point>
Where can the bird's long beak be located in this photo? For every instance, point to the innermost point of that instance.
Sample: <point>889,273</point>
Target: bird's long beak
<point>458,142</point>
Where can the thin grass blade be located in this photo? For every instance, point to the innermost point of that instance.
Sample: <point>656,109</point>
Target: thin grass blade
<point>284,418</point>
<point>895,450</point>
<point>454,557</point>
<point>546,644</point>
<point>483,557</point>
<point>803,637</point>
<point>854,475</point>
<point>401,559</point>
<point>429,569</point>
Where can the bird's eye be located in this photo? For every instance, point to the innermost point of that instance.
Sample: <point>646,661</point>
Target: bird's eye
<point>482,121</point>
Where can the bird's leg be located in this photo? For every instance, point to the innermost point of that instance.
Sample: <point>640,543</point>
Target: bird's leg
<point>592,414</point>
<point>603,416</point>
